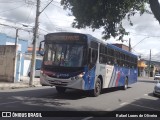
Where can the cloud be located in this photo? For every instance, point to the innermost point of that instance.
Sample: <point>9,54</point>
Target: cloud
<point>55,19</point>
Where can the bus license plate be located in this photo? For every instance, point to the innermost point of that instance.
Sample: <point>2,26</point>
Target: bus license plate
<point>57,82</point>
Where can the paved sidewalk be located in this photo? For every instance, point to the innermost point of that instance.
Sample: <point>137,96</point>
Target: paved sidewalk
<point>24,83</point>
<point>146,78</point>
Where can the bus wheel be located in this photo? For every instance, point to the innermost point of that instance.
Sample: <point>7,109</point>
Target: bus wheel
<point>126,84</point>
<point>97,88</point>
<point>60,89</point>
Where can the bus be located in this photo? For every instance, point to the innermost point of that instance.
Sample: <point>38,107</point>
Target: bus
<point>81,61</point>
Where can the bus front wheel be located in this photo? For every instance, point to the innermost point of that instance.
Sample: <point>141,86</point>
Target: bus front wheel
<point>60,89</point>
<point>97,88</point>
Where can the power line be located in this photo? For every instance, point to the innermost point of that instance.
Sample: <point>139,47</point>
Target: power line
<point>29,14</point>
<point>10,2</point>
<point>12,9</point>
<point>46,6</point>
<point>140,42</point>
<point>57,6</point>
<point>25,25</point>
<point>144,35</point>
<point>49,19</point>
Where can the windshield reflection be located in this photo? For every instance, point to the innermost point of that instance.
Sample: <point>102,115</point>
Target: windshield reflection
<point>67,55</point>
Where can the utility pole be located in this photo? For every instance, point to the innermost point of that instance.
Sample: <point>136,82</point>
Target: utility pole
<point>149,63</point>
<point>32,71</point>
<point>15,65</point>
<point>16,43</point>
<point>129,44</point>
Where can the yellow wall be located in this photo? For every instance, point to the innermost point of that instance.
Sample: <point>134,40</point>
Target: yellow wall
<point>142,64</point>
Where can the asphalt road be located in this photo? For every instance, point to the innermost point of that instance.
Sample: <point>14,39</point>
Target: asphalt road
<point>138,97</point>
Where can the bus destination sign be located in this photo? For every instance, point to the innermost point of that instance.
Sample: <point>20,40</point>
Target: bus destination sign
<point>63,37</point>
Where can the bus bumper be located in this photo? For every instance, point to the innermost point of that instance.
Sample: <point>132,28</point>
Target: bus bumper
<point>68,83</point>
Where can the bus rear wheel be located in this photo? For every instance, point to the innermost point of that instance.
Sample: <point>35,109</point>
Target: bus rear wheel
<point>98,87</point>
<point>60,89</point>
<point>125,84</point>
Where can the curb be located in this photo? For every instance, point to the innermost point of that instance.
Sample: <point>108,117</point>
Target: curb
<point>16,86</point>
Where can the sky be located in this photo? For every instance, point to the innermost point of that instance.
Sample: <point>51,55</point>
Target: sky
<point>144,34</point>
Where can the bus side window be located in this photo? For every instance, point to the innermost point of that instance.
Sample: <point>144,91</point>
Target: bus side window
<point>89,55</point>
<point>94,56</point>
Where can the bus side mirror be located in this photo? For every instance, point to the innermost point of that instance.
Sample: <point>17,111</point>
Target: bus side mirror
<point>40,49</point>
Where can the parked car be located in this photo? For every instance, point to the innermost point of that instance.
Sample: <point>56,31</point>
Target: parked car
<point>157,77</point>
<point>37,68</point>
<point>156,91</point>
<point>37,73</point>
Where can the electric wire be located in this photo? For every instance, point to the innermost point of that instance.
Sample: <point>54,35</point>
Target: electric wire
<point>12,9</point>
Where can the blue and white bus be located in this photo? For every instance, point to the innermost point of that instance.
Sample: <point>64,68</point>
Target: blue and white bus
<point>80,61</point>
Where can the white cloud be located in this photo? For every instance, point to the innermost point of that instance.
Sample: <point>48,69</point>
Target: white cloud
<point>54,18</point>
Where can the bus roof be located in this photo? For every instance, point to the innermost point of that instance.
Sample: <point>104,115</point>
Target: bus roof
<point>91,38</point>
<point>110,45</point>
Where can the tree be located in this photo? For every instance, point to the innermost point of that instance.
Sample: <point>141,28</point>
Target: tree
<point>155,7</point>
<point>108,14</point>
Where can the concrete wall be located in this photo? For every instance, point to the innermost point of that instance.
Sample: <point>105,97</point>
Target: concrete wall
<point>7,58</point>
<point>22,49</point>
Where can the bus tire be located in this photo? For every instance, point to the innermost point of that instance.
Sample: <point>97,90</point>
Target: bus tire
<point>60,89</point>
<point>98,87</point>
<point>125,84</point>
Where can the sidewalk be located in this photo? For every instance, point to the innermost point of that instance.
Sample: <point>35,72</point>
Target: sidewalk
<point>146,78</point>
<point>24,83</point>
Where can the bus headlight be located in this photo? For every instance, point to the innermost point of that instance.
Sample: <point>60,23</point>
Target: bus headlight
<point>81,75</point>
<point>78,76</point>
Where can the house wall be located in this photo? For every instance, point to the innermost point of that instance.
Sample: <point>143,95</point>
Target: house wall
<point>7,61</point>
<point>22,49</point>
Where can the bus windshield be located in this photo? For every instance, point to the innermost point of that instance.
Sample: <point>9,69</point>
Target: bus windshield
<point>65,55</point>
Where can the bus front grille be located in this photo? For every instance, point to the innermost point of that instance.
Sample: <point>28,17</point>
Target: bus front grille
<point>56,82</point>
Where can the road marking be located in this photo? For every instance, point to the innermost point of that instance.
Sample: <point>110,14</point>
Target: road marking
<point>9,103</point>
<point>87,118</point>
<point>124,103</point>
<point>145,94</point>
<point>136,98</point>
<point>108,109</point>
<point>145,107</point>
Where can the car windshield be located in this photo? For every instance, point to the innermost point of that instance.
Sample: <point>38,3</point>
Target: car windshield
<point>66,55</point>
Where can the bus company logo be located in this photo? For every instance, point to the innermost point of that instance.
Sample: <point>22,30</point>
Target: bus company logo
<point>6,114</point>
<point>62,75</point>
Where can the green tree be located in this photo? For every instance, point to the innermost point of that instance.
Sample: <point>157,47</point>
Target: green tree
<point>108,14</point>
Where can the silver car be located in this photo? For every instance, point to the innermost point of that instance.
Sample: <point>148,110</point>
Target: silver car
<point>157,77</point>
<point>156,91</point>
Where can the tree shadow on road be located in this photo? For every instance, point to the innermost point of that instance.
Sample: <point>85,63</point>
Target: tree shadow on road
<point>49,100</point>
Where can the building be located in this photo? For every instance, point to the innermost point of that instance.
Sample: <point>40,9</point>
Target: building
<point>27,61</point>
<point>143,65</point>
<point>122,46</point>
<point>21,50</point>
<point>142,68</point>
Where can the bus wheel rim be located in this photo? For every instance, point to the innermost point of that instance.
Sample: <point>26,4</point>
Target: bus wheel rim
<point>97,89</point>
